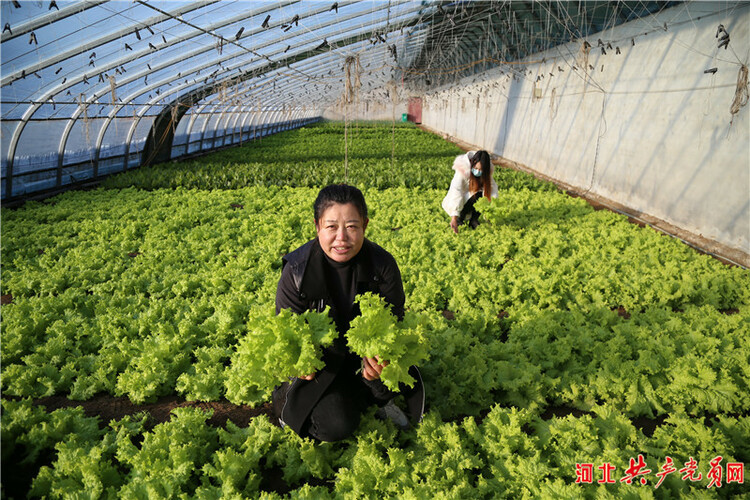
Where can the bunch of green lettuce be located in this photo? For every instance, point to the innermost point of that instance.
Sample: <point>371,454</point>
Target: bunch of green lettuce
<point>377,332</point>
<point>276,347</point>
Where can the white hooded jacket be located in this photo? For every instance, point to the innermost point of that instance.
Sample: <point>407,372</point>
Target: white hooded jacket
<point>458,193</point>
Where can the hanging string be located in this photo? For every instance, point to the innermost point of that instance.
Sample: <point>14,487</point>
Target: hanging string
<point>741,94</point>
<point>347,99</point>
<point>393,106</point>
<point>86,123</point>
<point>393,91</point>
<point>351,93</point>
<point>393,136</point>
<point>552,106</point>
<point>112,88</point>
<point>173,119</point>
<point>583,63</point>
<point>356,90</point>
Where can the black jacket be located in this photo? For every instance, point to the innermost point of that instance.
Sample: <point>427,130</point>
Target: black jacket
<point>303,287</point>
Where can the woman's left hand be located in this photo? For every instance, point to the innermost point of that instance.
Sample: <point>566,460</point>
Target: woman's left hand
<point>371,367</point>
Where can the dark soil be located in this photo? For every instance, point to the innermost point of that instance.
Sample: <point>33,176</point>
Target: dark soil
<point>563,411</point>
<point>621,312</point>
<point>273,481</point>
<point>107,408</point>
<point>648,425</point>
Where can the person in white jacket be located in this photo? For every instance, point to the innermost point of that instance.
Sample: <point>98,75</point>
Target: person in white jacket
<point>474,171</point>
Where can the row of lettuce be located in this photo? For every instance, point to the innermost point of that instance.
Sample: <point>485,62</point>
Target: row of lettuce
<point>160,289</point>
<point>509,454</point>
<point>373,155</point>
<point>172,279</point>
<point>369,155</point>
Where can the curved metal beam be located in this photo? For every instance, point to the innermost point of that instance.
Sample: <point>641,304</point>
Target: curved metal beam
<point>205,125</point>
<point>210,89</point>
<point>237,116</point>
<point>189,8</point>
<point>15,136</point>
<point>49,18</point>
<point>113,114</point>
<point>250,114</point>
<point>234,117</point>
<point>110,37</point>
<point>165,64</point>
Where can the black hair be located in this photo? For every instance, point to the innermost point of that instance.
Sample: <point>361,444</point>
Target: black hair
<point>341,194</point>
<point>482,157</point>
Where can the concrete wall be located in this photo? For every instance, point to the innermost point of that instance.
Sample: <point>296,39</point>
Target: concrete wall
<point>645,128</point>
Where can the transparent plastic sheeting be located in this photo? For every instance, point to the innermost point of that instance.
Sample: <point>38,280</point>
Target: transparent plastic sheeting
<point>108,85</point>
<point>83,82</point>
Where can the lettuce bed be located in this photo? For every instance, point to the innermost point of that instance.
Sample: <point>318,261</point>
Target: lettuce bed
<point>568,327</point>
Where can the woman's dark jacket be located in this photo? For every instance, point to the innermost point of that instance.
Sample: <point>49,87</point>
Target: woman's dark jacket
<point>303,287</point>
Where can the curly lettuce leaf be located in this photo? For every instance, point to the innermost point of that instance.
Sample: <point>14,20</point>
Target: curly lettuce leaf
<point>377,332</point>
<point>275,348</point>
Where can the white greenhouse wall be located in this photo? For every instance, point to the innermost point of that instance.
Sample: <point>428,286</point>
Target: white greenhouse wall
<point>646,128</point>
<point>367,110</point>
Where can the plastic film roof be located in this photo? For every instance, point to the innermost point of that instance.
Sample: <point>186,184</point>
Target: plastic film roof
<point>136,57</point>
<point>87,68</point>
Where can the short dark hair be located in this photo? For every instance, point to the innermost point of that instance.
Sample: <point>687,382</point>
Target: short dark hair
<point>341,194</point>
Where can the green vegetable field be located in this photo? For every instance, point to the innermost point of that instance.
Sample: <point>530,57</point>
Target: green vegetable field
<point>562,343</point>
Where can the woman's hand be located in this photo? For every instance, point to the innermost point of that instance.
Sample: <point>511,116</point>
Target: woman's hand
<point>454,224</point>
<point>371,367</point>
<point>308,377</point>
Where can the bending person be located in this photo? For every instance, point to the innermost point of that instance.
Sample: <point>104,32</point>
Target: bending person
<point>331,270</point>
<point>472,180</point>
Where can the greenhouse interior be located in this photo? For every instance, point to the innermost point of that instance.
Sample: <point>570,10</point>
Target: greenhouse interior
<point>585,335</point>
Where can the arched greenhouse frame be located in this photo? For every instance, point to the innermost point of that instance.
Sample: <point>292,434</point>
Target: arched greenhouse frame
<point>573,325</point>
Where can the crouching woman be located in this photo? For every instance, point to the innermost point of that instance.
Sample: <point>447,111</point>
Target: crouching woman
<point>331,270</point>
<point>473,179</point>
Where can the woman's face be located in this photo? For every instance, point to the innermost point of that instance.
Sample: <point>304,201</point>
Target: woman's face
<point>476,169</point>
<point>341,231</point>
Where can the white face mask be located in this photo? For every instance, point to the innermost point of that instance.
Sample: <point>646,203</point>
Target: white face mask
<point>476,172</point>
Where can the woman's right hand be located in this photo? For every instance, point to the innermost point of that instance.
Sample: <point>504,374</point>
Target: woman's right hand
<point>308,377</point>
<point>372,367</point>
<point>454,224</point>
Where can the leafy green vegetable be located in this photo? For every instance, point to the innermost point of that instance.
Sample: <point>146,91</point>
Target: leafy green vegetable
<point>275,348</point>
<point>312,156</point>
<point>204,380</point>
<point>377,332</point>
<point>553,307</point>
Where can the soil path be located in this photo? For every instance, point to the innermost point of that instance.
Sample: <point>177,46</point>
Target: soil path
<point>107,408</point>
